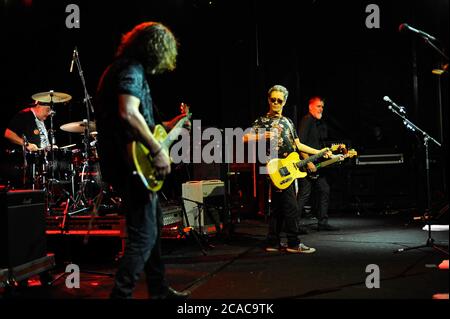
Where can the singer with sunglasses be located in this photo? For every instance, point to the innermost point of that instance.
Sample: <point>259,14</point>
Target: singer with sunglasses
<point>273,125</point>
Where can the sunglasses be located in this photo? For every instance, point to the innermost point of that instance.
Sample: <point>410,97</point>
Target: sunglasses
<point>273,100</point>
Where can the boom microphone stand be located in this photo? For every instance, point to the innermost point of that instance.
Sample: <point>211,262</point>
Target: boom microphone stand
<point>88,125</point>
<point>400,111</point>
<point>201,206</point>
<point>190,230</point>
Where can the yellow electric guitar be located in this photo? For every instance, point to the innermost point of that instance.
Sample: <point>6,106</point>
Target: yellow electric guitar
<point>283,171</point>
<point>142,159</point>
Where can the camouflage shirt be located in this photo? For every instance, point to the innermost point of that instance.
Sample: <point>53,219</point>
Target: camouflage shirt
<point>284,130</point>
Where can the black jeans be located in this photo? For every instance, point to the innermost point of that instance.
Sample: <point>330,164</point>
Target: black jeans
<point>284,209</point>
<point>143,249</point>
<point>323,189</point>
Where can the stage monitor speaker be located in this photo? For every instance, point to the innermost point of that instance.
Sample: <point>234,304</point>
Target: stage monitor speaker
<point>204,202</point>
<point>22,227</point>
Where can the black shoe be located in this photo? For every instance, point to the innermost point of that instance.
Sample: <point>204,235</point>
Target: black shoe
<point>173,294</point>
<point>326,227</point>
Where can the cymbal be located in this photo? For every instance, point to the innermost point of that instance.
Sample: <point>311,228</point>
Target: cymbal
<point>67,146</point>
<point>77,127</point>
<point>47,97</point>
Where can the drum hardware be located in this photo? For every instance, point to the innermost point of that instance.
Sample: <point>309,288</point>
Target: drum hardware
<point>51,97</point>
<point>25,163</point>
<point>79,127</point>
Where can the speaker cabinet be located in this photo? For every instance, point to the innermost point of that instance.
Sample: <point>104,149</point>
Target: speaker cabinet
<point>22,227</point>
<point>382,187</point>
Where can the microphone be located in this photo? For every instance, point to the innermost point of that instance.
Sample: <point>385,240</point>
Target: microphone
<point>405,26</point>
<point>73,59</point>
<point>400,108</point>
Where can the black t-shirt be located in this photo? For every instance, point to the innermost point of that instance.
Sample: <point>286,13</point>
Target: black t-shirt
<point>312,132</point>
<point>286,132</point>
<point>24,123</point>
<point>124,76</point>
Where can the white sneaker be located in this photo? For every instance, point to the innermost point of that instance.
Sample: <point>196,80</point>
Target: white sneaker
<point>300,249</point>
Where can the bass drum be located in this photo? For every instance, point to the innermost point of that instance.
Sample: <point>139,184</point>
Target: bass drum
<point>63,167</point>
<point>89,179</point>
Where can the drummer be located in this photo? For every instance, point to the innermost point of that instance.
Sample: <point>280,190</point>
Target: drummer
<point>27,127</point>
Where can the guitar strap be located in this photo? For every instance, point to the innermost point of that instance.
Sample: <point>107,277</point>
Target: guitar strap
<point>291,129</point>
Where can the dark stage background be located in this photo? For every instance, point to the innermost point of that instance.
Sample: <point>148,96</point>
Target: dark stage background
<point>232,51</point>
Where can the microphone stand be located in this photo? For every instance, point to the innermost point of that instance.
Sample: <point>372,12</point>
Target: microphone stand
<point>87,132</point>
<point>426,216</point>
<point>88,104</point>
<point>201,206</point>
<point>441,53</point>
<point>446,59</point>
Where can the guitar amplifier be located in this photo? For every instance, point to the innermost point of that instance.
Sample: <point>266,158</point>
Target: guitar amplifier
<point>380,159</point>
<point>22,227</point>
<point>204,201</point>
<point>173,221</point>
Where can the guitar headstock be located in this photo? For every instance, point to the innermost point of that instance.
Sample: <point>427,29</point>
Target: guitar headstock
<point>351,153</point>
<point>340,148</point>
<point>184,109</point>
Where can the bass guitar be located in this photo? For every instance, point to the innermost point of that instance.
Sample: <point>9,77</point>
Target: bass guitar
<point>346,154</point>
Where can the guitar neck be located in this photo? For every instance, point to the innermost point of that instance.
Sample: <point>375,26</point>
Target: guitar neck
<point>310,159</point>
<point>328,162</point>
<point>173,134</point>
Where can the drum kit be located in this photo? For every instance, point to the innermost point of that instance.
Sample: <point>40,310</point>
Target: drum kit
<point>70,175</point>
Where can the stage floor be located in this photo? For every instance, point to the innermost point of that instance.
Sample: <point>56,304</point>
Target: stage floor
<point>237,267</point>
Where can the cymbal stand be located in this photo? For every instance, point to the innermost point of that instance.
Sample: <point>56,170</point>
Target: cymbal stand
<point>49,183</point>
<point>25,162</point>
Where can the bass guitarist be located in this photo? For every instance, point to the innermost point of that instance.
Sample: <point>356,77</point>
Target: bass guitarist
<point>312,130</point>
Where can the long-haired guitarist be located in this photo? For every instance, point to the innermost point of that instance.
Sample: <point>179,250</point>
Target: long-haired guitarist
<point>124,112</point>
<point>284,204</point>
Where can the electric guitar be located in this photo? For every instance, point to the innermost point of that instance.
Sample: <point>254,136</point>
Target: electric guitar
<point>347,154</point>
<point>141,157</point>
<point>283,171</point>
